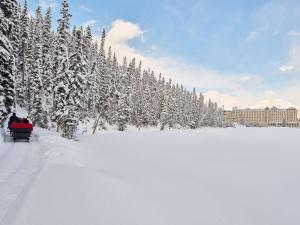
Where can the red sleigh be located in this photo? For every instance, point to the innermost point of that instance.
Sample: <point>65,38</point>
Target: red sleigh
<point>21,130</point>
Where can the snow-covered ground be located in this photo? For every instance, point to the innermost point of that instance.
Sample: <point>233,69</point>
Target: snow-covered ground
<point>242,176</point>
<point>18,165</point>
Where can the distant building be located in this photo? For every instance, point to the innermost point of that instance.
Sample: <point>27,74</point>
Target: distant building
<point>263,117</point>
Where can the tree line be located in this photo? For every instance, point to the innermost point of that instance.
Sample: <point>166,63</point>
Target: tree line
<point>64,78</point>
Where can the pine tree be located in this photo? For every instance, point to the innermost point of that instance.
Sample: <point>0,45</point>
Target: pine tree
<point>103,82</point>
<point>89,54</point>
<point>109,77</point>
<point>146,100</point>
<point>160,96</point>
<point>137,101</point>
<point>22,77</point>
<point>100,84</point>
<point>201,105</point>
<point>47,62</point>
<point>7,61</point>
<point>69,76</point>
<point>36,109</point>
<point>15,40</point>
<point>130,75</point>
<point>87,46</point>
<point>123,108</point>
<point>193,114</point>
<point>30,59</point>
<point>92,85</point>
<point>62,73</point>
<point>153,100</point>
<point>165,105</point>
<point>114,91</point>
<point>15,31</point>
<point>78,69</point>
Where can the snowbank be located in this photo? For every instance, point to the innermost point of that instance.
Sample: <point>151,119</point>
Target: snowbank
<point>229,176</point>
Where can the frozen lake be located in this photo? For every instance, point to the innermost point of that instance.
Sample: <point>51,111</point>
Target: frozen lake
<point>240,176</point>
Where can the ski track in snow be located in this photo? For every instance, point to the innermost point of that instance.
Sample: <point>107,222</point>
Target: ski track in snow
<point>19,162</point>
<point>5,153</point>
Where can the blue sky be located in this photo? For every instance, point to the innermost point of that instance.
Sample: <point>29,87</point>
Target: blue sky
<point>244,53</point>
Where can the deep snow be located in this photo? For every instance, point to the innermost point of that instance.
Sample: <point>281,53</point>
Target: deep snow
<point>18,165</point>
<point>241,176</point>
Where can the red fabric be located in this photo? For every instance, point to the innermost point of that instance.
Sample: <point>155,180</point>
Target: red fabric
<point>21,125</point>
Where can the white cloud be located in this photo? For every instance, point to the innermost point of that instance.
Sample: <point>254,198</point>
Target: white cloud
<point>253,100</point>
<point>245,90</point>
<point>245,78</point>
<point>123,31</point>
<point>286,68</point>
<point>226,100</point>
<point>271,98</point>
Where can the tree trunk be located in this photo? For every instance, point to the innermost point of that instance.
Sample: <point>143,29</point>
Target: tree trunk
<point>96,124</point>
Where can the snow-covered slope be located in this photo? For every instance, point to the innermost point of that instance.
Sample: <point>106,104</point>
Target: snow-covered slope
<point>19,163</point>
<point>238,176</point>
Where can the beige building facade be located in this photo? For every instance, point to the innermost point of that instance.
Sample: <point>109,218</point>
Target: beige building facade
<point>263,117</point>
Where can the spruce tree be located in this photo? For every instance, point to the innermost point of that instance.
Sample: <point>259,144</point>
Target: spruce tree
<point>47,61</point>
<point>89,56</point>
<point>15,40</point>
<point>123,107</point>
<point>137,100</point>
<point>92,85</point>
<point>62,74</point>
<point>76,98</point>
<point>7,60</point>
<point>21,79</point>
<point>36,109</point>
<point>30,59</point>
<point>103,82</point>
<point>114,90</point>
<point>193,114</point>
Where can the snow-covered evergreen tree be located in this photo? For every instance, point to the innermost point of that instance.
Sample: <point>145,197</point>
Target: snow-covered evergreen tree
<point>63,74</point>
<point>137,97</point>
<point>92,86</point>
<point>47,77</point>
<point>114,91</point>
<point>123,107</point>
<point>7,60</point>
<point>21,79</point>
<point>102,102</point>
<point>89,56</point>
<point>36,110</point>
<point>15,39</point>
<point>68,76</point>
<point>77,84</point>
<point>30,64</point>
<point>194,111</point>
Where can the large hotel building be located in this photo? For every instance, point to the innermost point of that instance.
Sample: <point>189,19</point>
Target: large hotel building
<point>263,117</point>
